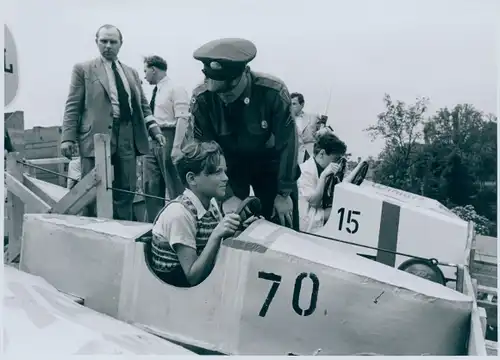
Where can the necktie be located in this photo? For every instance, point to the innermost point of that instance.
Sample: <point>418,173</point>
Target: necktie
<point>125,112</point>
<point>153,99</point>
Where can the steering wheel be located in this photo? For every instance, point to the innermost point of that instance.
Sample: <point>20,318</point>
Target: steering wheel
<point>357,176</point>
<point>248,207</point>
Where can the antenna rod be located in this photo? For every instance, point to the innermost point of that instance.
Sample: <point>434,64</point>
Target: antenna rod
<point>329,99</point>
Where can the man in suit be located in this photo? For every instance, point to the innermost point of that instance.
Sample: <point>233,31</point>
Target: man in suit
<point>106,96</point>
<point>307,126</point>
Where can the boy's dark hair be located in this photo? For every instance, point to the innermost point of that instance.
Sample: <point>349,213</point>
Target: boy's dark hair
<point>330,143</point>
<point>198,157</point>
<point>156,61</point>
<point>299,97</point>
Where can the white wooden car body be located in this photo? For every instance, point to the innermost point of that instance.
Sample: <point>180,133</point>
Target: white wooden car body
<point>272,291</point>
<point>385,218</point>
<point>38,319</point>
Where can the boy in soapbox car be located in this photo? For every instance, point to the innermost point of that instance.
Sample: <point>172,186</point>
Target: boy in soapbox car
<point>188,231</point>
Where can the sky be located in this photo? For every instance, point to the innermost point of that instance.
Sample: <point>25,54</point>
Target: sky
<point>446,50</point>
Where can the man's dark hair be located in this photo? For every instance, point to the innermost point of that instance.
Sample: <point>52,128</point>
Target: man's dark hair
<point>109,26</point>
<point>330,143</point>
<point>299,96</point>
<point>198,157</point>
<point>156,61</point>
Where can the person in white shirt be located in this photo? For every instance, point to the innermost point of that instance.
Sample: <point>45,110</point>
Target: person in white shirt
<point>170,107</point>
<point>307,126</point>
<point>316,173</point>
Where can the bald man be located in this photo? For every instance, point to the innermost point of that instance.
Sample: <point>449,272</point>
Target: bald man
<point>106,97</point>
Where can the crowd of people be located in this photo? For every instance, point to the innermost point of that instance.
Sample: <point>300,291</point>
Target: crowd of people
<point>239,130</point>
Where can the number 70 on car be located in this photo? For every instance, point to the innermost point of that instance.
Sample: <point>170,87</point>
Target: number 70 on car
<point>300,309</point>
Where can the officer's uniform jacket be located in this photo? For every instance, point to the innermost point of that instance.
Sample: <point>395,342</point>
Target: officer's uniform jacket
<point>262,131</point>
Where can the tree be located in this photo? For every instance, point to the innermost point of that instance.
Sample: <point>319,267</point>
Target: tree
<point>400,127</point>
<point>470,131</point>
<point>455,164</point>
<point>472,136</point>
<point>457,180</point>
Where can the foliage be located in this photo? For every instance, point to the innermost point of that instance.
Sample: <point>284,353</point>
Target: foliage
<point>481,224</point>
<point>400,127</point>
<point>450,156</point>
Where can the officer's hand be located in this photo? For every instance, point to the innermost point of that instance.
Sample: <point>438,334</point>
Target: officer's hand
<point>283,208</point>
<point>160,139</point>
<point>68,148</point>
<point>231,205</point>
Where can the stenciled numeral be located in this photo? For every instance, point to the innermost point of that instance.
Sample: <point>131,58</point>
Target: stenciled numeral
<point>314,294</point>
<point>276,280</point>
<point>351,220</point>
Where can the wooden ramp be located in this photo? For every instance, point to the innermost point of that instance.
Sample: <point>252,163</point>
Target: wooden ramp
<point>27,194</point>
<point>55,192</point>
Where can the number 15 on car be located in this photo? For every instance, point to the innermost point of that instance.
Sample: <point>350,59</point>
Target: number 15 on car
<point>348,220</point>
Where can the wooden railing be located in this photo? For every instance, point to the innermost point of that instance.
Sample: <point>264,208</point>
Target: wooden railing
<point>484,313</point>
<point>27,195</point>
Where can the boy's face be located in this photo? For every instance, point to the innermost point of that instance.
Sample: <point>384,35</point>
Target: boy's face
<point>325,159</point>
<point>214,185</point>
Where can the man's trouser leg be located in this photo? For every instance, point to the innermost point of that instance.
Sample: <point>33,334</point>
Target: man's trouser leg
<point>125,173</point>
<point>154,183</point>
<point>87,164</point>
<point>160,175</point>
<point>172,179</point>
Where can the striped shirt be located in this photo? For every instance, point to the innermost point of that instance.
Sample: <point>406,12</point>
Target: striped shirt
<point>185,221</point>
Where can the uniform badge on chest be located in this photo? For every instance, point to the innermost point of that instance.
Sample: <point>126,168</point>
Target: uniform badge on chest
<point>264,124</point>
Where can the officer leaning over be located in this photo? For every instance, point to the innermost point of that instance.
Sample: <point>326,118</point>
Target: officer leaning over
<point>249,115</point>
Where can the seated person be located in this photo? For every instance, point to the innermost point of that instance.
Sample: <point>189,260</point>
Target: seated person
<point>323,168</point>
<point>188,231</point>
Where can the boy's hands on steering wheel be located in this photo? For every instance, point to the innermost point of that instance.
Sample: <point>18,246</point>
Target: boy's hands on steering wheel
<point>249,211</point>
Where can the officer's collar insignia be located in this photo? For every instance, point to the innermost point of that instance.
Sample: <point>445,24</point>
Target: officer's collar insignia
<point>246,101</point>
<point>215,65</point>
<point>193,100</point>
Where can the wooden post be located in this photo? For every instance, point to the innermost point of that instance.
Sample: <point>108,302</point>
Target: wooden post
<point>470,251</point>
<point>104,173</point>
<point>60,166</point>
<point>15,209</point>
<point>460,278</point>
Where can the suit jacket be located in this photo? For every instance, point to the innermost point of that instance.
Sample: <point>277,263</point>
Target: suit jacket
<point>88,108</point>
